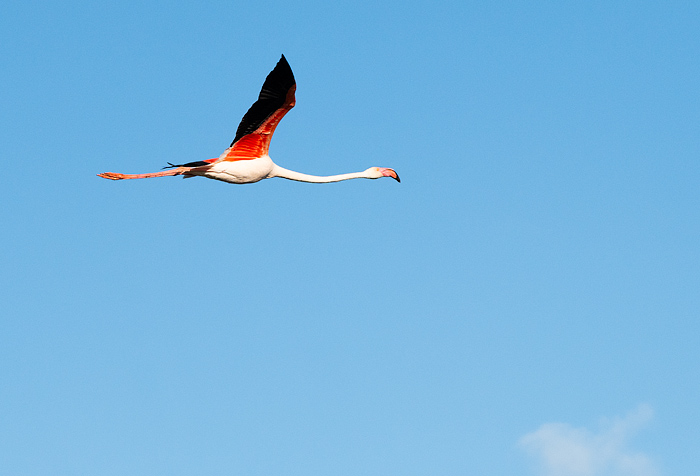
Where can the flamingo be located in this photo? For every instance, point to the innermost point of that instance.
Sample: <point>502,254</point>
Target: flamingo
<point>247,160</point>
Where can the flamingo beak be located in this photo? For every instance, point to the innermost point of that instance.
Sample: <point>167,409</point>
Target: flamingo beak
<point>390,173</point>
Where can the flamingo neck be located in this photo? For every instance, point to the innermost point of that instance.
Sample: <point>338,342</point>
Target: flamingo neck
<point>278,171</point>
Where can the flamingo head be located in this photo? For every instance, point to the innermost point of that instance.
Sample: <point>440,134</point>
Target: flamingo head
<point>379,172</point>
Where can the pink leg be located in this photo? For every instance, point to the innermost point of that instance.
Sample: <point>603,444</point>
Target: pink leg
<point>164,173</point>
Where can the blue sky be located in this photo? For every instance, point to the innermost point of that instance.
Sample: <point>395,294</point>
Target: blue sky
<point>525,302</point>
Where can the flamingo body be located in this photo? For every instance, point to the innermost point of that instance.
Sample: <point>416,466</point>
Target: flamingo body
<point>239,171</point>
<point>247,160</point>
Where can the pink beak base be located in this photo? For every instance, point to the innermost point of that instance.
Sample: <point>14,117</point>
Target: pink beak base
<point>390,173</point>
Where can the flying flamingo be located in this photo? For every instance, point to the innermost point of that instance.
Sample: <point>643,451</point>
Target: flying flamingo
<point>247,160</point>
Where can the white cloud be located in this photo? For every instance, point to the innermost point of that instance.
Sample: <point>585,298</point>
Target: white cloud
<point>562,450</point>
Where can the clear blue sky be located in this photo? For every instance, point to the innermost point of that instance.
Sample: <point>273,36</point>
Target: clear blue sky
<point>527,294</point>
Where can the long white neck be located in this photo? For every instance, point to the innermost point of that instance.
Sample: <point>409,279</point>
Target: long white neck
<point>278,171</point>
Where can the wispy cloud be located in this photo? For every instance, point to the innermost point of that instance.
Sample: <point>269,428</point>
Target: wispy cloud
<point>562,450</point>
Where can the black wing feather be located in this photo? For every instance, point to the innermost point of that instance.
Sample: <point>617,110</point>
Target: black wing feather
<point>272,97</point>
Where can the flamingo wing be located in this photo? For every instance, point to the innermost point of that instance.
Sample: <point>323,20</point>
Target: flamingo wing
<point>257,126</point>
